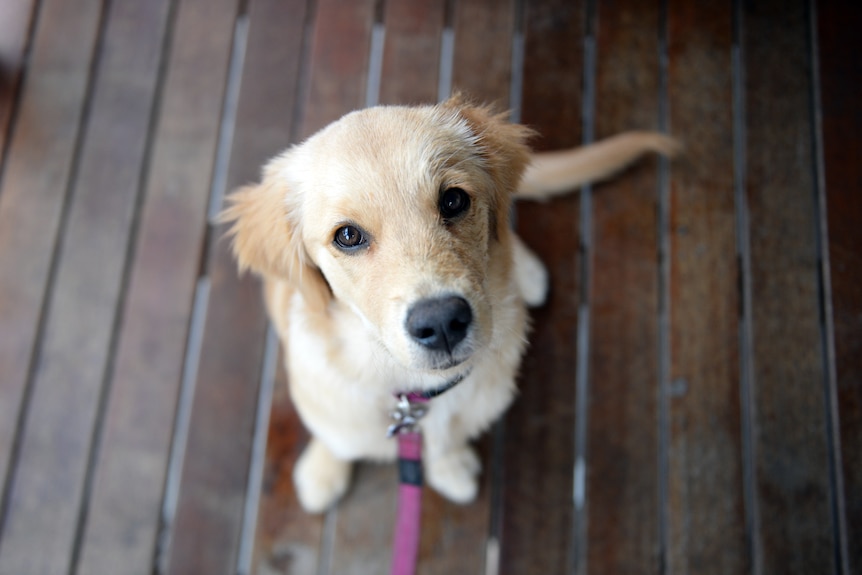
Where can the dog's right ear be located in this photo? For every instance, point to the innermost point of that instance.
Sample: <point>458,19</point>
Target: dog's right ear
<point>266,240</point>
<point>262,239</point>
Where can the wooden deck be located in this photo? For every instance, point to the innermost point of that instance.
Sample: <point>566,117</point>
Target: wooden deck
<point>692,400</point>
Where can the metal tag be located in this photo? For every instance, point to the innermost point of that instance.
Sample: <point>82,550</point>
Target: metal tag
<point>405,416</point>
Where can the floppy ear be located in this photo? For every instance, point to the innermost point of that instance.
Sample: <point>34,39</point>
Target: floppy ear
<point>503,146</point>
<point>267,241</point>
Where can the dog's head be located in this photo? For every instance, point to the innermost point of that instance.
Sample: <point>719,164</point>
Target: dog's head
<point>400,214</point>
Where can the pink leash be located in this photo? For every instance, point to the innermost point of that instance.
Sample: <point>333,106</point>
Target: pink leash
<point>411,408</point>
<point>405,549</point>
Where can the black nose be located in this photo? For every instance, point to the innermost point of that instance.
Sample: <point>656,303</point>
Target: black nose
<point>441,323</point>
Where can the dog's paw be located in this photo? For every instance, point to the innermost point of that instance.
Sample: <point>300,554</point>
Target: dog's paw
<point>455,475</point>
<point>320,478</point>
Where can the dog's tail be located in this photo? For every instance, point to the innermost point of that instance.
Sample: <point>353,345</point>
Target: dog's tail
<point>555,173</point>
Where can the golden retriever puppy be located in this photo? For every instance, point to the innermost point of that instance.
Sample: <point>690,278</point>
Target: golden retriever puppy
<point>390,267</point>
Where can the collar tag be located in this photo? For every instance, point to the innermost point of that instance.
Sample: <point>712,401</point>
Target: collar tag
<point>406,415</point>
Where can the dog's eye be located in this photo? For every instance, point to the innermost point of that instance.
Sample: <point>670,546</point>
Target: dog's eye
<point>453,203</point>
<point>349,238</point>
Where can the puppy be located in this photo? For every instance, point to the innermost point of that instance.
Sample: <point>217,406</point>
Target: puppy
<point>389,267</point>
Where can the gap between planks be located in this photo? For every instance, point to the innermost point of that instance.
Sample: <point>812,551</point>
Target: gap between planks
<point>113,344</point>
<point>498,431</point>
<point>582,344</point>
<point>197,323</point>
<point>664,259</point>
<point>54,260</point>
<point>748,417</point>
<point>258,454</point>
<point>825,308</point>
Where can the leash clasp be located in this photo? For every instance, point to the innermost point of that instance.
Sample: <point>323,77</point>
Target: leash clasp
<point>405,416</point>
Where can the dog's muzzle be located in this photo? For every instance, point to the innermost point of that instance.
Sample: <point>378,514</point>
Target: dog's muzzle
<point>440,324</point>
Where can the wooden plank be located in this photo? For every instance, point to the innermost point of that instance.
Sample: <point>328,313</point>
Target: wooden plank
<point>51,477</point>
<point>411,53</point>
<point>483,63</point>
<point>841,92</point>
<point>538,510</point>
<point>622,453</point>
<point>15,27</point>
<point>363,541</point>
<point>126,500</point>
<point>454,537</point>
<point>287,539</point>
<point>339,62</point>
<point>791,447</point>
<point>34,185</point>
<point>706,516</point>
<point>215,471</point>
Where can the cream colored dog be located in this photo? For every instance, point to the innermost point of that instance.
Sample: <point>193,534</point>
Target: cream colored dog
<point>390,267</point>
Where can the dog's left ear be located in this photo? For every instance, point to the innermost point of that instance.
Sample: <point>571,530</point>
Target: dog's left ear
<point>503,146</point>
<point>266,240</point>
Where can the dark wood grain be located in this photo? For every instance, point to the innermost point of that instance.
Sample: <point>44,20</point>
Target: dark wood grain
<point>791,447</point>
<point>411,53</point>
<point>538,509</point>
<point>841,92</point>
<point>215,471</point>
<point>287,539</point>
<point>454,537</point>
<point>15,20</point>
<point>706,515</point>
<point>75,353</point>
<point>151,344</point>
<point>365,522</point>
<point>622,453</point>
<point>269,87</point>
<point>484,36</point>
<point>40,162</point>
<point>340,46</point>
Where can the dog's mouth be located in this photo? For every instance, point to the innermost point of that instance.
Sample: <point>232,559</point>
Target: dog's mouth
<point>447,362</point>
<point>432,392</point>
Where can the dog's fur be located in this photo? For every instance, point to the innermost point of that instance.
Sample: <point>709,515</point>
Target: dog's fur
<point>343,313</point>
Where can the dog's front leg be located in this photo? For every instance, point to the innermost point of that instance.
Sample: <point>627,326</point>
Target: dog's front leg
<point>320,477</point>
<point>452,468</point>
